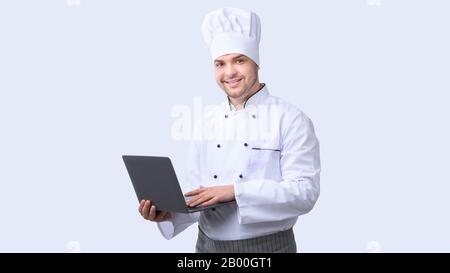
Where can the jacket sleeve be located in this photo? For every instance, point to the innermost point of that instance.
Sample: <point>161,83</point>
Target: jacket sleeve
<point>177,223</point>
<point>180,221</point>
<point>296,194</point>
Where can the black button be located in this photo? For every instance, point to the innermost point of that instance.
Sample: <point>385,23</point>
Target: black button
<point>245,144</point>
<point>240,176</point>
<point>213,209</point>
<point>253,116</point>
<point>226,116</point>
<point>215,176</point>
<point>218,145</point>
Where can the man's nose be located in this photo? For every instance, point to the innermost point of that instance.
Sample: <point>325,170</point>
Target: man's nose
<point>230,71</point>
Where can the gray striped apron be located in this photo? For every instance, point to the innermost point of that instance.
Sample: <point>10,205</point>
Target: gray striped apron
<point>280,242</point>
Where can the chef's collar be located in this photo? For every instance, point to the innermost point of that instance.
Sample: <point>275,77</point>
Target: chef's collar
<point>253,100</point>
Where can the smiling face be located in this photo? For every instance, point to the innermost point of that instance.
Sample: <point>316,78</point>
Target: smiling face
<point>237,75</point>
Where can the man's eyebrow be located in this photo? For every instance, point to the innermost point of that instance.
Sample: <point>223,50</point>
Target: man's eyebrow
<point>239,56</point>
<point>234,58</point>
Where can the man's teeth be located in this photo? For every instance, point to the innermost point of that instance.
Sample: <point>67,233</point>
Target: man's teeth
<point>232,81</point>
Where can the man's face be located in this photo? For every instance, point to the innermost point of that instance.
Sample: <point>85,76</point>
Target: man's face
<point>236,74</point>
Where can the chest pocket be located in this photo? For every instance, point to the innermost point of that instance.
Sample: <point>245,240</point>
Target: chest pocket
<point>264,160</point>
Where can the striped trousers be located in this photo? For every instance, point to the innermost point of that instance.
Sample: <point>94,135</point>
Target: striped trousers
<point>280,242</point>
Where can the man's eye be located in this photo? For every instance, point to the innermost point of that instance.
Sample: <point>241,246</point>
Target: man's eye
<point>218,64</point>
<point>240,61</point>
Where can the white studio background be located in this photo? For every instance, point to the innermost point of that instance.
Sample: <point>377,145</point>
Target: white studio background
<point>84,81</point>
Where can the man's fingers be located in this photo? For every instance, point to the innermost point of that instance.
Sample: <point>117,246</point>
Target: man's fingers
<point>141,206</point>
<point>194,199</point>
<point>212,201</point>
<point>195,192</point>
<point>200,200</point>
<point>146,209</point>
<point>152,215</point>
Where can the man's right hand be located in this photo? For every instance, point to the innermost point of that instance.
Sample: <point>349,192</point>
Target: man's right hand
<point>148,211</point>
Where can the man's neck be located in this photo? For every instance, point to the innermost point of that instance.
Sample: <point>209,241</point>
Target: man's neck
<point>240,102</point>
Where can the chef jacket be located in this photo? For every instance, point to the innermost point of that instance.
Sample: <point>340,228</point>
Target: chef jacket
<point>269,152</point>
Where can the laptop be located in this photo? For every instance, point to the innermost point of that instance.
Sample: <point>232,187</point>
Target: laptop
<point>154,179</point>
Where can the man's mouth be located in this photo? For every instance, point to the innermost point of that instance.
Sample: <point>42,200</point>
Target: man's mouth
<point>233,83</point>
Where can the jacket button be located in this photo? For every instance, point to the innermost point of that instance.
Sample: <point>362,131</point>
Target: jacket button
<point>215,176</point>
<point>226,116</point>
<point>241,176</point>
<point>253,116</point>
<point>218,145</point>
<point>213,209</point>
<point>245,144</point>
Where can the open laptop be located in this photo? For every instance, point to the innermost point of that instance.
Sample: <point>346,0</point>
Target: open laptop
<point>154,179</point>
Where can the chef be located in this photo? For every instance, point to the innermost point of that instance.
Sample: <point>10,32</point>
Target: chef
<point>255,149</point>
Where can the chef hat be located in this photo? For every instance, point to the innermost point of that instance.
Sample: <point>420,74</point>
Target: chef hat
<point>232,30</point>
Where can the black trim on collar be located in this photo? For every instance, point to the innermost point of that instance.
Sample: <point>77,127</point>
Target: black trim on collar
<point>261,88</point>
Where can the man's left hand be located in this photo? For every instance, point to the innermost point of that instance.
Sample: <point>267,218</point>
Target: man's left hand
<point>210,195</point>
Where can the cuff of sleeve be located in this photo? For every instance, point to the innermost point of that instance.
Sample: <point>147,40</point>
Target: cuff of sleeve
<point>238,193</point>
<point>239,190</point>
<point>178,223</point>
<point>167,229</point>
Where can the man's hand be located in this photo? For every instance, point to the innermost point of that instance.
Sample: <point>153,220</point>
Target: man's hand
<point>148,211</point>
<point>210,195</point>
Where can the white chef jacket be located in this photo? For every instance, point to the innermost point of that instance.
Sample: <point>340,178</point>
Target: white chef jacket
<point>269,152</point>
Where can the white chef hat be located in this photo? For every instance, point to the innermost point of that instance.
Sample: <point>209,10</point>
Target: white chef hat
<point>232,30</point>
